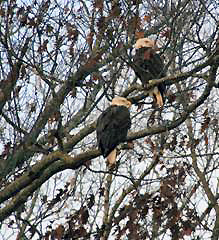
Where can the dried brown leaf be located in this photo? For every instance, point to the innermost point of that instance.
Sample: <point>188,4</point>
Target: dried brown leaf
<point>72,32</point>
<point>89,38</point>
<point>205,114</point>
<point>166,33</point>
<point>98,4</point>
<point>59,231</point>
<point>84,215</point>
<point>147,18</point>
<point>66,10</point>
<point>205,124</point>
<point>206,140</point>
<point>43,47</point>
<point>47,235</point>
<point>102,24</point>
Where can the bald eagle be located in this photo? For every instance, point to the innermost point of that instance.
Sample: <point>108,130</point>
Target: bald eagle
<point>148,65</point>
<point>112,127</point>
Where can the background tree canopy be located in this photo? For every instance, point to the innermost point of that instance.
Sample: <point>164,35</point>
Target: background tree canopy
<point>61,63</point>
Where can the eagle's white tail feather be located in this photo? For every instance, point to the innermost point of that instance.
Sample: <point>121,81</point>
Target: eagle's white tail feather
<point>156,93</point>
<point>111,158</point>
<point>159,99</point>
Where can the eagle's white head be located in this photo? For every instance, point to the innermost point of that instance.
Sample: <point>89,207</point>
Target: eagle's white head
<point>121,101</point>
<point>145,42</point>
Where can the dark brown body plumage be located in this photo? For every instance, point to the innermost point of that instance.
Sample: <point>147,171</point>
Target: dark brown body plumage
<point>112,128</point>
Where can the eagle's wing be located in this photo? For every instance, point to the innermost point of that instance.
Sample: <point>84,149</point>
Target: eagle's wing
<point>155,66</point>
<point>149,66</point>
<point>140,66</point>
<point>112,128</point>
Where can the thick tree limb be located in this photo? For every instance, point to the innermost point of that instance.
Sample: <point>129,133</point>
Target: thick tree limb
<point>40,173</point>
